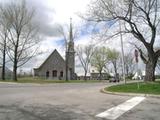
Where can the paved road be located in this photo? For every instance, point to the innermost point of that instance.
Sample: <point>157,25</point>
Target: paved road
<point>67,102</point>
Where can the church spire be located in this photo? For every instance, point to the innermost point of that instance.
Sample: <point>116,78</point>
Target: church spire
<point>70,32</point>
<point>70,56</point>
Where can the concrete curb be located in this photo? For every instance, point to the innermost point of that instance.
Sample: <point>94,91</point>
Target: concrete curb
<point>129,94</point>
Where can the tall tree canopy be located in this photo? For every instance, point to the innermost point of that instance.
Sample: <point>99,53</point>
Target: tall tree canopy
<point>22,33</point>
<point>85,54</point>
<point>113,56</point>
<point>139,18</point>
<point>129,64</point>
<point>99,59</point>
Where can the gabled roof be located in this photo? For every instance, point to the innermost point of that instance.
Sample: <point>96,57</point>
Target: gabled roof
<point>55,52</point>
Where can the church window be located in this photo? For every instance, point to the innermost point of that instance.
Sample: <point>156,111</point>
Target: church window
<point>47,74</point>
<point>61,74</point>
<point>54,73</point>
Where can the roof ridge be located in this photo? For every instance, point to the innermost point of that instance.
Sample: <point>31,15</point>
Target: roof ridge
<point>54,51</point>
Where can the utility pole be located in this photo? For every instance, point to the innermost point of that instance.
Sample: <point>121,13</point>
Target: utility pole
<point>122,50</point>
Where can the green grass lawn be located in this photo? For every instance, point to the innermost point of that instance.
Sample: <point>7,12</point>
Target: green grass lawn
<point>147,88</point>
<point>45,81</point>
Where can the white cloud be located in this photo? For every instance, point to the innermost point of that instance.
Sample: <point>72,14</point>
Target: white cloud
<point>49,13</point>
<point>52,12</point>
<point>64,9</point>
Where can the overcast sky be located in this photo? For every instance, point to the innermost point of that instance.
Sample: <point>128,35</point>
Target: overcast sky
<point>53,12</point>
<point>49,14</point>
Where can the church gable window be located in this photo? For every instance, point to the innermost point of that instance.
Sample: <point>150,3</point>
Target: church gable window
<point>54,73</point>
<point>47,74</point>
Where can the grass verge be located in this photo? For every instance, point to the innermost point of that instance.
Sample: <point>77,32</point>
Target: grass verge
<point>45,81</point>
<point>145,88</point>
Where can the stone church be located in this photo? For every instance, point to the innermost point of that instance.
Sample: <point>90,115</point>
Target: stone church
<point>55,67</point>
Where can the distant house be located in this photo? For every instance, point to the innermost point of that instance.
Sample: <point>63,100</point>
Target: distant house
<point>8,73</point>
<point>94,75</point>
<point>54,67</point>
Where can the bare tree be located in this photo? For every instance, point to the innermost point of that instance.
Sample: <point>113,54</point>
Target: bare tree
<point>140,18</point>
<point>4,26</point>
<point>129,64</point>
<point>113,56</point>
<point>99,59</point>
<point>84,54</point>
<point>65,35</point>
<point>3,46</point>
<point>68,34</point>
<point>22,34</point>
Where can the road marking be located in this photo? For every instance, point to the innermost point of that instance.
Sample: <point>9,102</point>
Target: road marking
<point>114,112</point>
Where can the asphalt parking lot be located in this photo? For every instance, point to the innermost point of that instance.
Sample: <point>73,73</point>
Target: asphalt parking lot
<point>75,101</point>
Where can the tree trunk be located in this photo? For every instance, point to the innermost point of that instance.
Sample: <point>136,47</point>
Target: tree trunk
<point>4,58</point>
<point>115,70</point>
<point>100,75</point>
<point>85,74</point>
<point>15,73</point>
<point>4,65</point>
<point>15,64</point>
<point>150,70</point>
<point>127,71</point>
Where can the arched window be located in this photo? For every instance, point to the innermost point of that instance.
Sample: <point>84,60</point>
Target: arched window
<point>61,74</point>
<point>54,73</point>
<point>47,74</point>
<point>71,74</point>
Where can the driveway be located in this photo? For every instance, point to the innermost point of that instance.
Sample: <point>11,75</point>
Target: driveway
<point>67,101</point>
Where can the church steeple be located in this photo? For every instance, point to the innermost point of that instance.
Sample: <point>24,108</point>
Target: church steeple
<point>70,55</point>
<point>70,32</point>
<point>71,41</point>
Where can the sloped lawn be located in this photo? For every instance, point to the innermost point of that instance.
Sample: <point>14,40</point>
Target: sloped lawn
<point>146,88</point>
